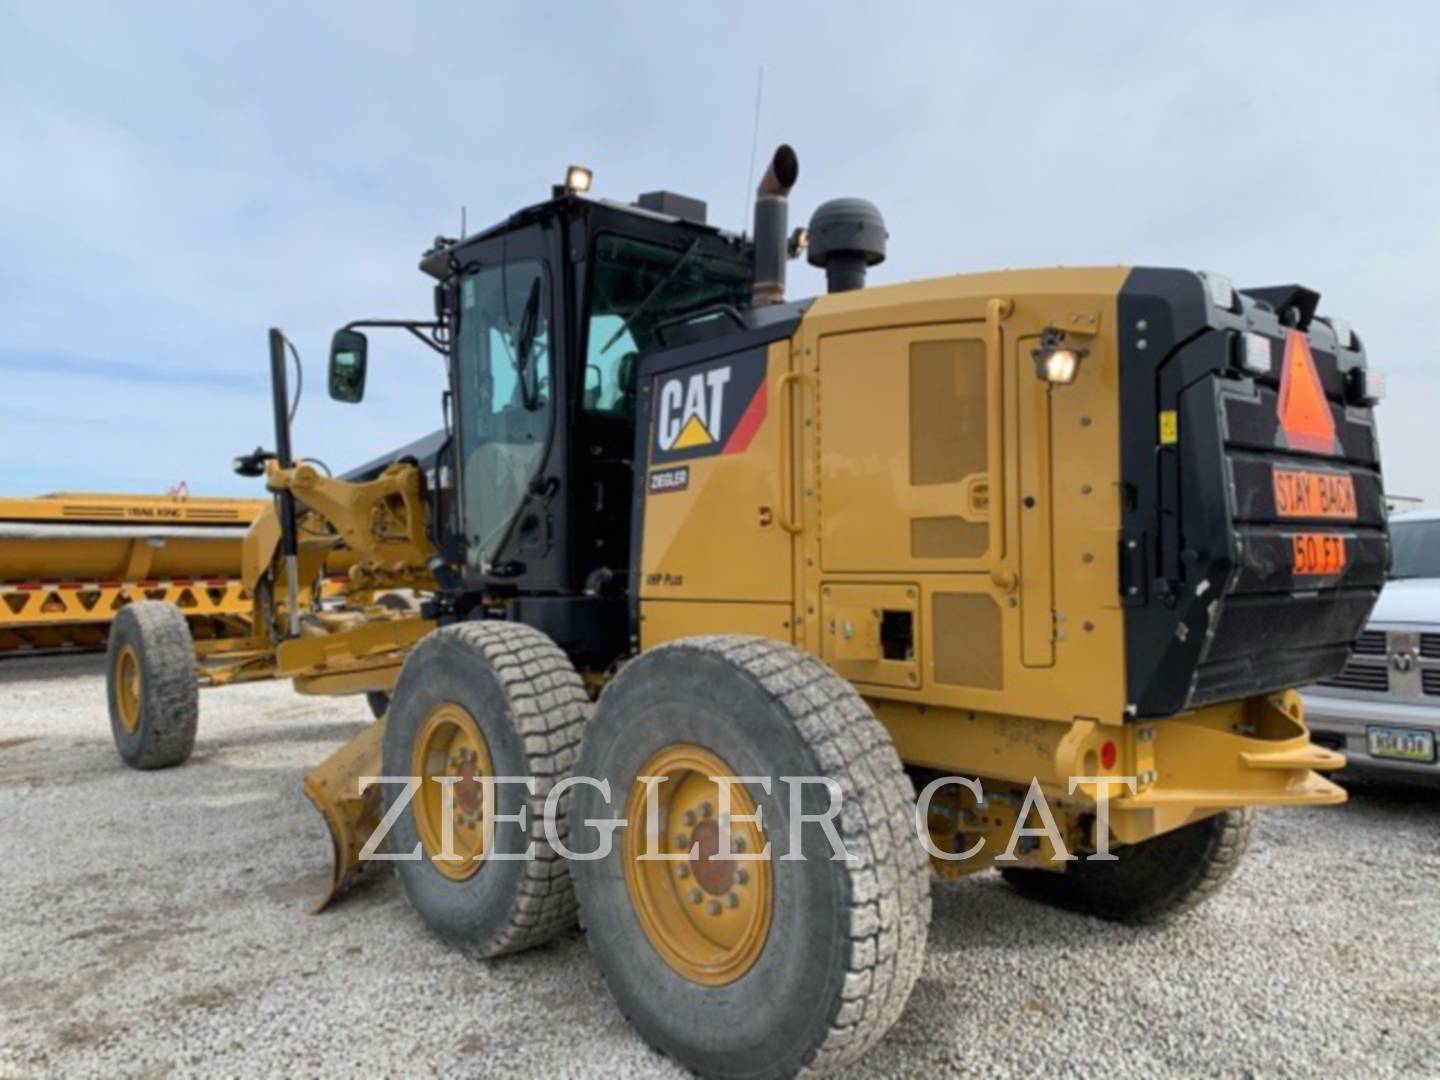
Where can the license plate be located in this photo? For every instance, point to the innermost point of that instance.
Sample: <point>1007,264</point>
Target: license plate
<point>1300,493</point>
<point>1401,744</point>
<point>1317,554</point>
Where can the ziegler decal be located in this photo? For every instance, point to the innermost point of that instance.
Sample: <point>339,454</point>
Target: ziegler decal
<point>714,409</point>
<point>663,480</point>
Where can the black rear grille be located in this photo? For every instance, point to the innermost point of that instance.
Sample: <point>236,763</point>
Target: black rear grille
<point>1430,646</point>
<point>1372,677</point>
<point>1430,680</point>
<point>1371,643</point>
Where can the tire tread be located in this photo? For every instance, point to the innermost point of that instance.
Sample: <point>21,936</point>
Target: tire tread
<point>170,692</point>
<point>889,892</point>
<point>548,708</point>
<point>1148,887</point>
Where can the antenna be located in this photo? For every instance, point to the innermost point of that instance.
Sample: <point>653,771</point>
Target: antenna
<point>754,142</point>
<point>462,222</point>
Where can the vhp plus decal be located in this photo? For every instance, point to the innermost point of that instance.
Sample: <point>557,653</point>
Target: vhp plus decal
<point>713,408</point>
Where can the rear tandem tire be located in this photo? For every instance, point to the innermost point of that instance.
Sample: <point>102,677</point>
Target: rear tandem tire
<point>837,946</point>
<point>150,685</point>
<point>476,699</point>
<point>1150,882</point>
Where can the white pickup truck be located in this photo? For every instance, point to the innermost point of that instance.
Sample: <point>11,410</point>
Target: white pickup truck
<point>1383,710</point>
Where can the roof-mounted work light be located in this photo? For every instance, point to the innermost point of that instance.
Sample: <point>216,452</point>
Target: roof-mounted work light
<point>578,179</point>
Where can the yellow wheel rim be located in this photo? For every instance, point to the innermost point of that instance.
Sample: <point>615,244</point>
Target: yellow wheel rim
<point>127,689</point>
<point>708,918</point>
<point>449,746</point>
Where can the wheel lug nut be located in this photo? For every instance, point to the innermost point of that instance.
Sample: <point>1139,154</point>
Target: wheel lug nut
<point>682,871</point>
<point>741,877</point>
<point>739,844</point>
<point>706,809</point>
<point>682,841</point>
<point>689,817</point>
<point>713,907</point>
<point>733,900</point>
<point>695,896</point>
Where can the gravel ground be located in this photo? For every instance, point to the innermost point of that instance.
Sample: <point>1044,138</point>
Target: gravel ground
<point>155,923</point>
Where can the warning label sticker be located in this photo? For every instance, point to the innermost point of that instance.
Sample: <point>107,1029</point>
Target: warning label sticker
<point>1318,554</point>
<point>1301,493</point>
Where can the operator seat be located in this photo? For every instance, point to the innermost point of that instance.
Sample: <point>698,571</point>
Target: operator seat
<point>627,373</point>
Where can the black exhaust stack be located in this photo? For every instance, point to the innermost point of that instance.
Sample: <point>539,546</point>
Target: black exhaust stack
<point>772,221</point>
<point>847,237</point>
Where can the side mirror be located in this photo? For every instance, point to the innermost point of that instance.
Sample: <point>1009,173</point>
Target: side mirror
<point>347,365</point>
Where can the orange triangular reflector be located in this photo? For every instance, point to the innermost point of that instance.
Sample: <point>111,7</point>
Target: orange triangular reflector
<point>693,434</point>
<point>1303,408</point>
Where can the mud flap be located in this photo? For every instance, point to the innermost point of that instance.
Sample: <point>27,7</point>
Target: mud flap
<point>350,814</point>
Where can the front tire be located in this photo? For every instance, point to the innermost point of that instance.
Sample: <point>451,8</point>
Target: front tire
<point>840,944</point>
<point>150,684</point>
<point>1149,882</point>
<point>473,700</point>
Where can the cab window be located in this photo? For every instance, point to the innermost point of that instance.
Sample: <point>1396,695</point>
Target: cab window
<point>504,400</point>
<point>636,286</point>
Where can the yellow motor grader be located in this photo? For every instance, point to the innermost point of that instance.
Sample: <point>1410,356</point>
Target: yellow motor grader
<point>773,606</point>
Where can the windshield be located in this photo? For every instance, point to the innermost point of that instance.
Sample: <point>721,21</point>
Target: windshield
<point>503,388</point>
<point>635,286</point>
<point>1415,547</point>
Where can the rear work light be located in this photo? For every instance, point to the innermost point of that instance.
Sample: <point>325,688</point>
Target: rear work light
<point>1366,385</point>
<point>1220,290</point>
<point>1255,354</point>
<point>1344,336</point>
<point>1056,362</point>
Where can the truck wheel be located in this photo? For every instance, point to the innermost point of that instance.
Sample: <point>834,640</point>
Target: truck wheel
<point>151,686</point>
<point>477,700</point>
<point>1149,882</point>
<point>749,968</point>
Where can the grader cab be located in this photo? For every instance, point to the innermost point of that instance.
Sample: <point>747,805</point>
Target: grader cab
<point>772,607</point>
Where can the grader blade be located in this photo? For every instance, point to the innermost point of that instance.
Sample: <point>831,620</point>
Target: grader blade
<point>350,814</point>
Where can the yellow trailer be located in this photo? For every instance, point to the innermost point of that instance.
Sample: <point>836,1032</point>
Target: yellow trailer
<point>70,561</point>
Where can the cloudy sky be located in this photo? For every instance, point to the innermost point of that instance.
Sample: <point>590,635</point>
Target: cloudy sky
<point>175,179</point>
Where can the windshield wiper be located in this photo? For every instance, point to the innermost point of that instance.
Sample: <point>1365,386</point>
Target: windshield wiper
<point>656,291</point>
<point>525,344</point>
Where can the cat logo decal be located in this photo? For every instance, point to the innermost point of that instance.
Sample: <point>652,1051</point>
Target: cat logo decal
<point>712,409</point>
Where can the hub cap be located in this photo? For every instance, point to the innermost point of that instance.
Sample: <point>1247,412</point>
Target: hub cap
<point>707,917</point>
<point>450,745</point>
<point>127,689</point>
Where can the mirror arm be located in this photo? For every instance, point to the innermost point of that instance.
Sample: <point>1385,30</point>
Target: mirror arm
<point>426,332</point>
